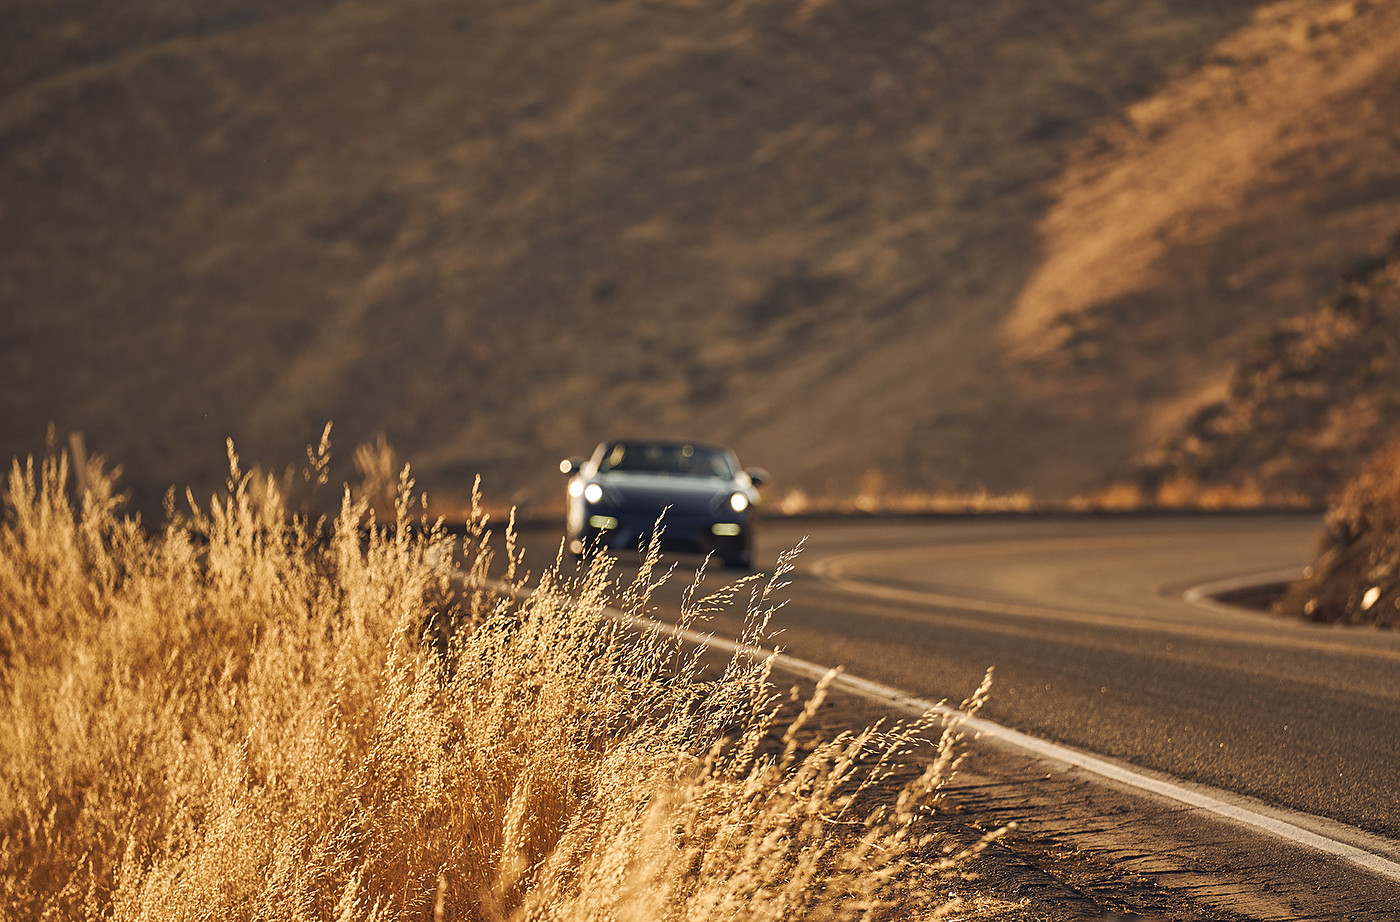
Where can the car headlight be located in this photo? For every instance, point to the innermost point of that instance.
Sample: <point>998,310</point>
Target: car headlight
<point>575,488</point>
<point>593,493</point>
<point>738,502</point>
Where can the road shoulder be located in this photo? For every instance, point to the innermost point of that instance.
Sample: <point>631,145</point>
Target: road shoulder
<point>1083,848</point>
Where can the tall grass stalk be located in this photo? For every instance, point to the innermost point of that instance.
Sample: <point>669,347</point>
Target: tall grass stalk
<point>250,714</point>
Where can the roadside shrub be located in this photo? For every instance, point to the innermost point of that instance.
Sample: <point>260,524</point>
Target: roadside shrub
<point>1356,577</point>
<point>249,714</point>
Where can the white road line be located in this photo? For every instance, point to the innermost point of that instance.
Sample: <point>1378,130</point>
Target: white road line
<point>1237,809</point>
<point>1203,596</point>
<point>1331,838</point>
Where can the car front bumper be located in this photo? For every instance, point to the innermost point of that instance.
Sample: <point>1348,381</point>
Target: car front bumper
<point>618,531</point>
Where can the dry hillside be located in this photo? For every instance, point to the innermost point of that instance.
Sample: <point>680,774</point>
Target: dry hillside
<point>1313,414</point>
<point>959,243</point>
<point>1308,405</point>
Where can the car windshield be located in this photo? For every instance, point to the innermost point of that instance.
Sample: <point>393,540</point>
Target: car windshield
<point>666,458</point>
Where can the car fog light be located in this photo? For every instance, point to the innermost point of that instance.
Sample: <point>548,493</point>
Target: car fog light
<point>602,522</point>
<point>726,530</point>
<point>738,502</point>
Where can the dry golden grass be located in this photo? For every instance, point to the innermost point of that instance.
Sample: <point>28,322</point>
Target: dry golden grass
<point>1181,492</point>
<point>874,498</point>
<point>251,714</point>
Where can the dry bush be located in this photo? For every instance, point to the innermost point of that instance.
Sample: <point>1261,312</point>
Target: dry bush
<point>237,716</point>
<point>1356,577</point>
<point>1370,502</point>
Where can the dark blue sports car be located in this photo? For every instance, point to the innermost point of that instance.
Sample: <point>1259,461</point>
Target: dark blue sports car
<point>616,497</point>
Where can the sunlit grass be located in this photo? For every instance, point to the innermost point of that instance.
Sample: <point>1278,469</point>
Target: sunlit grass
<point>247,713</point>
<point>1183,493</point>
<point>881,501</point>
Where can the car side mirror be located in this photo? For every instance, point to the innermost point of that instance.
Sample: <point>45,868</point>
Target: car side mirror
<point>757,475</point>
<point>570,465</point>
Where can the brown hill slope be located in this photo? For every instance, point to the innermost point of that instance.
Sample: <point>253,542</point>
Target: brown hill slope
<point>963,244</point>
<point>1308,405</point>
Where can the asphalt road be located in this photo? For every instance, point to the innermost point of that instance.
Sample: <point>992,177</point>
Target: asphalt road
<point>1093,645</point>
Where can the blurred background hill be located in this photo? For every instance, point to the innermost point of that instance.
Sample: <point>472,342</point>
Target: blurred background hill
<point>938,246</point>
<point>1309,404</point>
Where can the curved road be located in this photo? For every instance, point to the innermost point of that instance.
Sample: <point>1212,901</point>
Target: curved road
<point>1094,646</point>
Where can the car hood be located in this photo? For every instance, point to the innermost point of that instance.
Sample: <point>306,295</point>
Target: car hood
<point>651,493</point>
